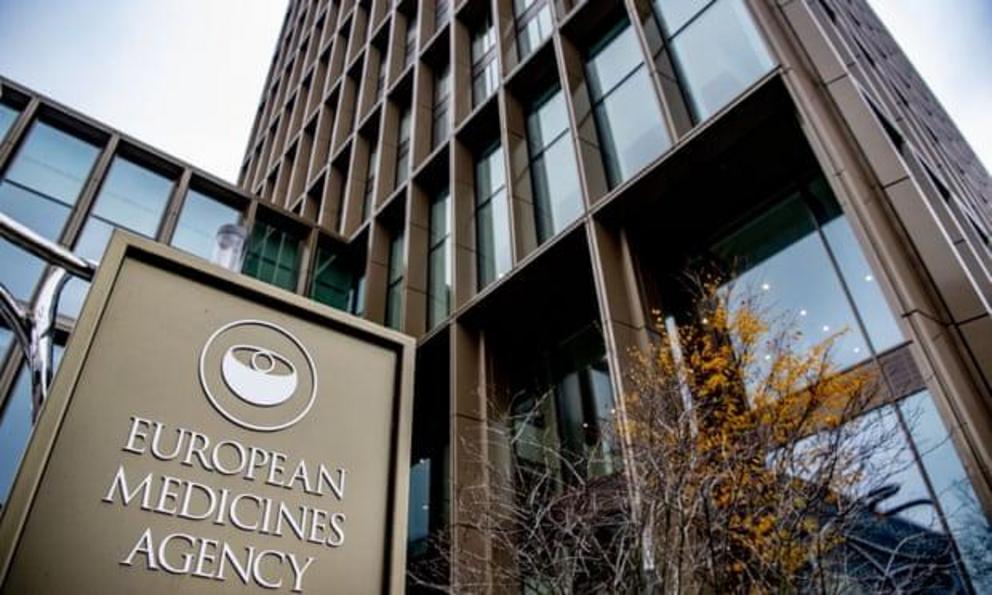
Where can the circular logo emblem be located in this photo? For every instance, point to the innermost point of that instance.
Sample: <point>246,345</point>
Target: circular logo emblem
<point>258,375</point>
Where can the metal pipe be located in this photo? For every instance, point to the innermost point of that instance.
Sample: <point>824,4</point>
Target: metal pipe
<point>45,249</point>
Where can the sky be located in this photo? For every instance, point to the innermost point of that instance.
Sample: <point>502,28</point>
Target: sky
<point>950,43</point>
<point>186,76</point>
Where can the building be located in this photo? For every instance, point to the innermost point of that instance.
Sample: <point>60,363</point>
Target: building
<point>518,184</point>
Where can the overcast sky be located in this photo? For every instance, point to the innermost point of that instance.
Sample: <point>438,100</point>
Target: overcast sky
<point>186,75</point>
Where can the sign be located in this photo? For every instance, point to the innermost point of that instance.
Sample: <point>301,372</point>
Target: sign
<point>208,433</point>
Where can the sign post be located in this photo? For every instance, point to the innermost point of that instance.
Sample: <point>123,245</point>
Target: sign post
<point>208,433</point>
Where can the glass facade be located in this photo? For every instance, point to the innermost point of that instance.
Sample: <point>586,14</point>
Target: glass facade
<point>717,49</point>
<point>485,65</point>
<point>492,217</point>
<point>394,281</point>
<point>273,256</point>
<point>372,168</point>
<point>553,172</point>
<point>574,417</point>
<point>403,148</point>
<point>628,117</point>
<point>132,198</point>
<point>770,257</point>
<point>200,219</point>
<point>39,190</point>
<point>16,426</point>
<point>7,116</point>
<point>533,23</point>
<point>410,45</point>
<point>333,281</point>
<point>441,125</point>
<point>925,522</point>
<point>439,260</point>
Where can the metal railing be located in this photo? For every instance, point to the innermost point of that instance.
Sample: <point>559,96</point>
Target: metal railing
<point>33,325</point>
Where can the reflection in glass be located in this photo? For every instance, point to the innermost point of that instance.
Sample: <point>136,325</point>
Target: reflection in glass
<point>199,221</point>
<point>883,331</point>
<point>492,218</point>
<point>573,417</point>
<point>718,55</point>
<point>439,274</point>
<point>773,255</point>
<point>954,491</point>
<point>533,22</point>
<point>132,198</point>
<point>394,289</point>
<point>628,118</point>
<point>16,425</point>
<point>554,176</point>
<point>39,189</point>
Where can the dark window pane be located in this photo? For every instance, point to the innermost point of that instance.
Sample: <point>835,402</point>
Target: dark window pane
<point>53,163</point>
<point>273,256</point>
<point>719,55</point>
<point>199,221</point>
<point>332,279</point>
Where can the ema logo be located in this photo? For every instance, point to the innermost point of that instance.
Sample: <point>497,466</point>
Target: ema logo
<point>258,375</point>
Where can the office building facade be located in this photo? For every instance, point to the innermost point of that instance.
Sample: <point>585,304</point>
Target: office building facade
<point>519,184</point>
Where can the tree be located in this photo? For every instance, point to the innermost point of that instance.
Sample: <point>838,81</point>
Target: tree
<point>752,465</point>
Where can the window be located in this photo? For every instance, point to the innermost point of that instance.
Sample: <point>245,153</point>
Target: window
<point>441,13</point>
<point>441,127</point>
<point>394,282</point>
<point>39,190</point>
<point>553,172</point>
<point>131,198</point>
<point>273,256</point>
<point>492,217</point>
<point>628,118</point>
<point>439,260</point>
<point>332,279</point>
<point>369,191</point>
<point>533,22</point>
<point>199,221</point>
<point>410,47</point>
<point>403,148</point>
<point>7,117</point>
<point>574,416</point>
<point>771,256</point>
<point>380,81</point>
<point>485,67</point>
<point>717,50</point>
<point>931,507</point>
<point>16,426</point>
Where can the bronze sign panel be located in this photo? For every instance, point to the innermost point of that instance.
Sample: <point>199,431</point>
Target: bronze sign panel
<point>210,434</point>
